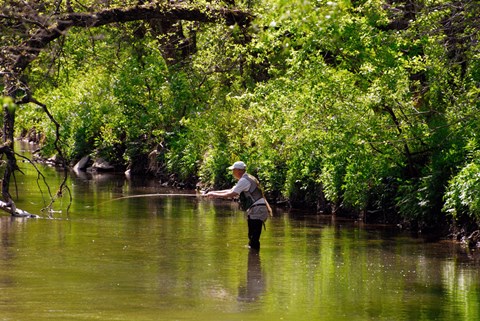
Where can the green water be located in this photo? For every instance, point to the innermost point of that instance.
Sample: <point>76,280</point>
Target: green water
<point>184,258</point>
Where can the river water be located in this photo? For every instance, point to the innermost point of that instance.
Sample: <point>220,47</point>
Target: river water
<point>184,258</point>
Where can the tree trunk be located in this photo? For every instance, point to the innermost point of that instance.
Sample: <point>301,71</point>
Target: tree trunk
<point>7,148</point>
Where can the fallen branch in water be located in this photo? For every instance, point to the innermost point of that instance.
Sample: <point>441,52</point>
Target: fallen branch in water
<point>18,212</point>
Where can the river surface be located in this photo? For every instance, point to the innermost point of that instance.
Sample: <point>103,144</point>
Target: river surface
<point>185,258</point>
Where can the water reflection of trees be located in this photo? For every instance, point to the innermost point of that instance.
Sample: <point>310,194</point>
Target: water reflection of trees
<point>370,274</point>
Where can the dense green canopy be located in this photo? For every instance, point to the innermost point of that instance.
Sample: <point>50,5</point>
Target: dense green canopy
<point>367,107</point>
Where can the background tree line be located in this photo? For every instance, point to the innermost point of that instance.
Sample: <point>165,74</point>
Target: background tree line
<point>367,107</point>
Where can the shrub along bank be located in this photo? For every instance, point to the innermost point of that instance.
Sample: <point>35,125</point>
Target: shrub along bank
<point>367,107</point>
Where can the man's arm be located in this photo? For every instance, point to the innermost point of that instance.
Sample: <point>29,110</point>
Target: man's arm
<point>226,193</point>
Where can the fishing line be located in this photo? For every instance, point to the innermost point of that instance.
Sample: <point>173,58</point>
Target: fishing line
<point>150,195</point>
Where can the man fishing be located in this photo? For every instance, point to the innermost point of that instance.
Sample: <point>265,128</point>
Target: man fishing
<point>251,199</point>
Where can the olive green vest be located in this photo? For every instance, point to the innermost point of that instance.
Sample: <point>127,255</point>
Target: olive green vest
<point>254,193</point>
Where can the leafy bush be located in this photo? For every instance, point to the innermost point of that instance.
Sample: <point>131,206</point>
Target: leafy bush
<point>336,99</point>
<point>463,193</point>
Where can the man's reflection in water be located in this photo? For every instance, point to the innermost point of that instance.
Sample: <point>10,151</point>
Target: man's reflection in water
<point>255,285</point>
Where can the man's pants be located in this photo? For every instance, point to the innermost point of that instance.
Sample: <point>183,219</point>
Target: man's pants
<point>254,231</point>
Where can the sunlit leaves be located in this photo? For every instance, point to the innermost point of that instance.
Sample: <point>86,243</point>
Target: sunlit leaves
<point>363,100</point>
<point>463,194</point>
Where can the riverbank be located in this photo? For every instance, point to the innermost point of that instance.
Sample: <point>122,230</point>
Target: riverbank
<point>314,201</point>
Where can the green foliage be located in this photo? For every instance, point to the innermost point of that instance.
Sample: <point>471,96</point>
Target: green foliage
<point>213,169</point>
<point>366,103</point>
<point>116,111</point>
<point>8,103</point>
<point>463,193</point>
<point>81,109</point>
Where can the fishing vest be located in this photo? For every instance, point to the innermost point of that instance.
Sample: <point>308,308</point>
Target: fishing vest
<point>254,193</point>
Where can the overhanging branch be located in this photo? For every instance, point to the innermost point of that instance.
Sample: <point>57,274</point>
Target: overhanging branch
<point>39,40</point>
<point>15,59</point>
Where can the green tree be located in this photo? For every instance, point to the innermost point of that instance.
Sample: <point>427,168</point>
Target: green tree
<point>28,28</point>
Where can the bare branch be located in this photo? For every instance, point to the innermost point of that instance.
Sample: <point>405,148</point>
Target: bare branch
<point>63,186</point>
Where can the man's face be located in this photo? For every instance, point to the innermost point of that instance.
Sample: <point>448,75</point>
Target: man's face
<point>237,173</point>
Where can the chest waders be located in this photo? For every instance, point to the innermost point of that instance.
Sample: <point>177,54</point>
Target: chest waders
<point>254,193</point>
<point>247,201</point>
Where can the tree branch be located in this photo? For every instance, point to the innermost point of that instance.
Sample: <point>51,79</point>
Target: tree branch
<point>63,186</point>
<point>14,59</point>
<point>39,40</point>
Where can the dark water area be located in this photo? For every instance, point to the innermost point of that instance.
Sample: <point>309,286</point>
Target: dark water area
<point>185,258</point>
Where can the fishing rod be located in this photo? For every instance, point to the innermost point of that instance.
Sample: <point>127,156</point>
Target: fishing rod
<point>153,195</point>
<point>159,195</point>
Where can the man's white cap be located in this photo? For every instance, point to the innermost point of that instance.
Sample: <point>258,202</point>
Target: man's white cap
<point>238,165</point>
